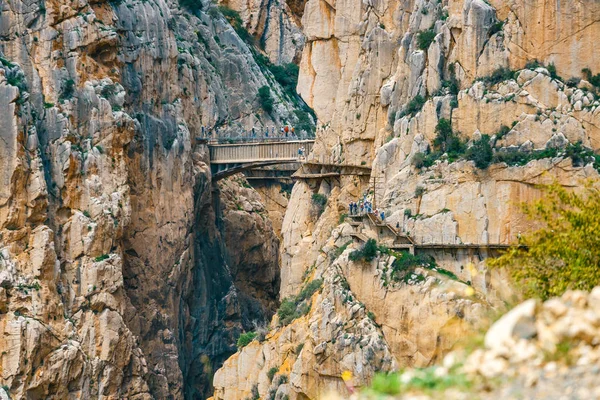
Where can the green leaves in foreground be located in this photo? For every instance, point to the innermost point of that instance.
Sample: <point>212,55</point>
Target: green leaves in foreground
<point>419,380</point>
<point>565,252</point>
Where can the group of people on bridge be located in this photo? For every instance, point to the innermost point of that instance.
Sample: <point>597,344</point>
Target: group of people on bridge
<point>286,132</point>
<point>364,206</point>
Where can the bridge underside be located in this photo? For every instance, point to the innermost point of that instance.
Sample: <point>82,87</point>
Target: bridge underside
<point>224,170</point>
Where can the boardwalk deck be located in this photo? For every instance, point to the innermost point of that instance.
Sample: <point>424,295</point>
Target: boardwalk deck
<point>230,158</point>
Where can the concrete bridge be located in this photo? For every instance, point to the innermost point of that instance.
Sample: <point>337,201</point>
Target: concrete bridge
<point>227,159</point>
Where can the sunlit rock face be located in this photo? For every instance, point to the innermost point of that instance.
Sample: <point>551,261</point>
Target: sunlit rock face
<point>382,78</point>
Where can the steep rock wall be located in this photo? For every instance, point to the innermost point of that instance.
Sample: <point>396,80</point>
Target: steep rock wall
<point>382,78</point>
<point>114,275</point>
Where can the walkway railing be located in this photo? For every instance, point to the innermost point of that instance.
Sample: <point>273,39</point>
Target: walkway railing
<point>256,152</point>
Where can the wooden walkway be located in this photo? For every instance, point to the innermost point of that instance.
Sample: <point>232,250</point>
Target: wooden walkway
<point>227,159</point>
<point>406,242</point>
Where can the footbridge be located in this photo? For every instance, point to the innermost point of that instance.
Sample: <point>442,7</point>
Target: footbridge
<point>227,159</point>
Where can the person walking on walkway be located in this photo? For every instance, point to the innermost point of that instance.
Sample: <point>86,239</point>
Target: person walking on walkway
<point>382,215</point>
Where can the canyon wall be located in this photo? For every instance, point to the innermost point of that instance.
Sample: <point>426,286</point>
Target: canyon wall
<point>387,79</point>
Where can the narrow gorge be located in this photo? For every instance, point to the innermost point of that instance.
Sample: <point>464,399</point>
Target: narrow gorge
<point>176,178</point>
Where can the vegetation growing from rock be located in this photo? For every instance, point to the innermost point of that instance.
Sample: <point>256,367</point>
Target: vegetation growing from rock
<point>234,18</point>
<point>68,90</point>
<point>591,78</point>
<point>565,253</point>
<point>579,155</point>
<point>499,75</point>
<point>425,38</point>
<point>447,141</point>
<point>367,252</point>
<point>245,339</point>
<point>481,152</point>
<point>339,250</point>
<point>271,373</point>
<point>414,106</point>
<point>264,99</point>
<point>319,201</point>
<point>405,263</point>
<point>298,306</point>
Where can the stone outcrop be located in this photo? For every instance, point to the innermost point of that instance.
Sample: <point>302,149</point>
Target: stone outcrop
<point>275,25</point>
<point>537,350</point>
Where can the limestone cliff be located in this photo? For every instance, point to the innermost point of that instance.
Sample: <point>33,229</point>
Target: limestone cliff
<point>115,249</point>
<point>408,89</point>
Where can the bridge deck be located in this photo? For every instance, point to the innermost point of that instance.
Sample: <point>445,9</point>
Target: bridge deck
<point>230,158</point>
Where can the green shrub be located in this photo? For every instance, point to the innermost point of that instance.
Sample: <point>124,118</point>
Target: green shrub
<point>101,258</point>
<point>68,90</point>
<point>406,263</point>
<point>191,5</point>
<point>367,252</point>
<point>310,289</point>
<point>298,306</point>
<point>245,339</point>
<point>481,152</point>
<point>552,71</point>
<point>423,380</point>
<point>286,75</point>
<point>286,311</point>
<point>578,154</point>
<point>418,160</point>
<point>533,64</point>
<point>108,91</point>
<point>565,253</point>
<point>446,141</point>
<point>234,18</point>
<point>305,122</point>
<point>319,201</point>
<point>499,75</point>
<point>414,106</point>
<point>593,79</point>
<point>388,384</point>
<point>271,373</point>
<point>254,392</point>
<point>16,78</point>
<point>425,38</point>
<point>503,131</point>
<point>495,28</point>
<point>339,250</point>
<point>264,99</point>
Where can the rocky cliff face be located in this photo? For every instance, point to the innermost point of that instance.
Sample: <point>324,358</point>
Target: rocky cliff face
<point>117,271</point>
<point>276,25</point>
<point>391,83</point>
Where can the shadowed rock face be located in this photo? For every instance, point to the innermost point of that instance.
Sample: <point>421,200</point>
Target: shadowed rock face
<point>114,277</point>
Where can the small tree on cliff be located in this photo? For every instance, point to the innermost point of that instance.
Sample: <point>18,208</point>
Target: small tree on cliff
<point>265,99</point>
<point>565,253</point>
<point>481,152</point>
